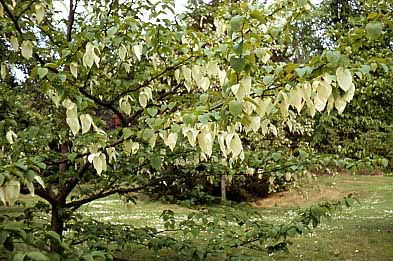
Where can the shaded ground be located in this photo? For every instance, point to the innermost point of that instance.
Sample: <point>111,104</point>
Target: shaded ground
<point>364,232</point>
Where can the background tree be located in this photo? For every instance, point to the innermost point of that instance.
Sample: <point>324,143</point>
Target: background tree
<point>366,127</point>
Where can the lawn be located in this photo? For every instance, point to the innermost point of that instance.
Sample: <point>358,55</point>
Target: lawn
<point>363,232</point>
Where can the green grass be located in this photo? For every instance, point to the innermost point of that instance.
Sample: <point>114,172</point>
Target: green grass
<point>363,232</point>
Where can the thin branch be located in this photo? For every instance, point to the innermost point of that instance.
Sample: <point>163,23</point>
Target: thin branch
<point>11,16</point>
<point>25,10</point>
<point>71,19</point>
<point>105,105</point>
<point>271,89</point>
<point>107,17</point>
<point>134,116</point>
<point>120,141</point>
<point>39,191</point>
<point>19,30</point>
<point>78,203</point>
<point>147,82</point>
<point>70,185</point>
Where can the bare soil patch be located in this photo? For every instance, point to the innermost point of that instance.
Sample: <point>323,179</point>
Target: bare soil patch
<point>300,197</point>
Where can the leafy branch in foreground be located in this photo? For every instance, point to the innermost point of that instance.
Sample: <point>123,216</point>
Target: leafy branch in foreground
<point>218,232</point>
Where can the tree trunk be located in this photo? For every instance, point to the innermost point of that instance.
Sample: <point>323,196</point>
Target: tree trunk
<point>223,188</point>
<point>57,225</point>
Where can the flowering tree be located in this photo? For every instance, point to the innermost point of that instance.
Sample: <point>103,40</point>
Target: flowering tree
<point>114,94</point>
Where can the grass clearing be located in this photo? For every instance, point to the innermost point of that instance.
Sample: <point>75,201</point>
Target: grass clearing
<point>363,232</point>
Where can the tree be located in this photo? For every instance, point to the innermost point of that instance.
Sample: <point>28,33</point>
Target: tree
<point>366,126</point>
<point>113,99</point>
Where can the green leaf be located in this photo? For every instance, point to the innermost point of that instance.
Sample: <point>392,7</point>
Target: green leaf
<point>204,118</point>
<point>53,235</point>
<point>61,77</point>
<point>152,111</point>
<point>127,146</point>
<point>235,107</point>
<point>98,254</point>
<point>301,71</point>
<point>333,56</point>
<point>268,80</point>
<point>155,162</point>
<point>37,256</point>
<point>188,119</point>
<point>19,257</point>
<point>42,72</point>
<point>237,23</point>
<point>172,105</point>
<point>374,30</point>
<point>237,64</point>
<point>204,98</point>
<point>148,134</point>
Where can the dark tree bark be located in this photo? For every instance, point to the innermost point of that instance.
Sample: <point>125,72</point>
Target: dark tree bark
<point>223,188</point>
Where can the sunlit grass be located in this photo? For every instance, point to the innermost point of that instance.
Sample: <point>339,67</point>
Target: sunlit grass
<point>363,232</point>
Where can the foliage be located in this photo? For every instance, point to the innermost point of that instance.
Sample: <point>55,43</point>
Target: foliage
<point>247,229</point>
<point>365,130</point>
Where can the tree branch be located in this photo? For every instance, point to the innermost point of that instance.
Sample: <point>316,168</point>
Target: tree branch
<point>134,116</point>
<point>12,17</point>
<point>74,205</point>
<point>19,30</point>
<point>70,185</point>
<point>71,18</point>
<point>25,10</point>
<point>147,82</point>
<point>107,17</point>
<point>105,105</point>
